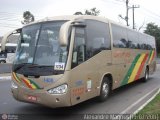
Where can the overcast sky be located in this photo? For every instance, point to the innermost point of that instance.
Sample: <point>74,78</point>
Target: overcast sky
<point>11,11</point>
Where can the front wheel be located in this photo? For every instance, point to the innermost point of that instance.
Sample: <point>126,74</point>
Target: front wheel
<point>105,90</point>
<point>146,77</point>
<point>3,61</point>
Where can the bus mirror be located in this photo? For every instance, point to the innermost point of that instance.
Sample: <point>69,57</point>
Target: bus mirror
<point>64,33</point>
<point>65,30</point>
<point>5,38</point>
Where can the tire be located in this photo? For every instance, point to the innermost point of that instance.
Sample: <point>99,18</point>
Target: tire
<point>3,61</point>
<point>105,90</point>
<point>146,77</point>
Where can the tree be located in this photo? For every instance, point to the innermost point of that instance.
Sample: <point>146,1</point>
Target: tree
<point>92,11</point>
<point>154,30</point>
<point>28,17</point>
<point>78,13</point>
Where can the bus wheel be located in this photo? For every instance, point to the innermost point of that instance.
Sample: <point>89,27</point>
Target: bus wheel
<point>105,90</point>
<point>146,77</point>
<point>3,61</point>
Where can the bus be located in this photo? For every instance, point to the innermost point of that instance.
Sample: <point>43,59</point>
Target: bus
<point>65,60</point>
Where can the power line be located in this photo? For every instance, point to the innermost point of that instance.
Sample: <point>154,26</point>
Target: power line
<point>120,1</point>
<point>147,10</point>
<point>10,19</point>
<point>131,3</point>
<point>8,26</point>
<point>115,2</point>
<point>15,14</point>
<point>10,13</point>
<point>14,25</point>
<point>151,12</point>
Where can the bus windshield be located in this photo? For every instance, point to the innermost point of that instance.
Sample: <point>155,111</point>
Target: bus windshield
<point>39,51</point>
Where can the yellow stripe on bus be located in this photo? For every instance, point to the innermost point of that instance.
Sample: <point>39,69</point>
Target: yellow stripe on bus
<point>33,86</point>
<point>15,77</point>
<point>29,82</point>
<point>136,68</point>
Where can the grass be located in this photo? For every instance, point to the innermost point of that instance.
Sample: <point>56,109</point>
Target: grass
<point>151,111</point>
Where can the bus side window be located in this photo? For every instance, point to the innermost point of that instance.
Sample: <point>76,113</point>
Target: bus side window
<point>133,39</point>
<point>119,36</point>
<point>78,56</point>
<point>98,38</point>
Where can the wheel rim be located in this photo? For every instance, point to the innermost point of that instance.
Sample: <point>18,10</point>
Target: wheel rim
<point>147,75</point>
<point>105,89</point>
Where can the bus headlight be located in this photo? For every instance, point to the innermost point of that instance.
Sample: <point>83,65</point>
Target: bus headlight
<point>58,90</point>
<point>13,85</point>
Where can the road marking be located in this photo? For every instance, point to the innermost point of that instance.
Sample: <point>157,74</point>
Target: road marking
<point>142,106</point>
<point>4,103</point>
<point>5,78</point>
<point>138,101</point>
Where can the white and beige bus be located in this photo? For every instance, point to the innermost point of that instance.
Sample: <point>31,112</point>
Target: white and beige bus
<point>62,61</point>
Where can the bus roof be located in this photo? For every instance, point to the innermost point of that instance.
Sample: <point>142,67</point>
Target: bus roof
<point>71,17</point>
<point>76,17</point>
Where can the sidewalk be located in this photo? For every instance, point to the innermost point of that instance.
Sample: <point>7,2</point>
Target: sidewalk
<point>5,77</point>
<point>5,74</point>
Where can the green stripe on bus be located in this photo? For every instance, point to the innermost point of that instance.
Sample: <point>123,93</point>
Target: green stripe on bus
<point>18,77</point>
<point>34,83</point>
<point>126,78</point>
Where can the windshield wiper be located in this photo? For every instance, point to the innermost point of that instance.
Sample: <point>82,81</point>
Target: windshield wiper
<point>49,69</point>
<point>19,66</point>
<point>39,66</point>
<point>36,70</point>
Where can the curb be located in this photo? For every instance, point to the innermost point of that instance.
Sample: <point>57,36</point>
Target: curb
<point>5,78</point>
<point>143,105</point>
<point>5,74</point>
<point>156,90</point>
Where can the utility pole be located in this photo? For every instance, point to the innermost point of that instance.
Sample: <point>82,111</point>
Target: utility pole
<point>127,8</point>
<point>133,8</point>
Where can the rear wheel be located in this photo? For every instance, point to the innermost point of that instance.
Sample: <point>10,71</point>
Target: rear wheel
<point>105,90</point>
<point>146,77</point>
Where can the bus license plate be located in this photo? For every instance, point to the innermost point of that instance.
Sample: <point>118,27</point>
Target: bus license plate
<point>32,98</point>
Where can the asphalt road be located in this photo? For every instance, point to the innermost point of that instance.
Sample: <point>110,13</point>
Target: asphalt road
<point>5,68</point>
<point>119,102</point>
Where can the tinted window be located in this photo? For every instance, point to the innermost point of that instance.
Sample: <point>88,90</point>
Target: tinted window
<point>79,47</point>
<point>133,39</point>
<point>146,42</point>
<point>119,36</point>
<point>127,38</point>
<point>39,47</point>
<point>98,37</point>
<point>151,42</point>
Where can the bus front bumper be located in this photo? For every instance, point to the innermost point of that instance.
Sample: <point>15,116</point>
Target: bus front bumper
<point>41,97</point>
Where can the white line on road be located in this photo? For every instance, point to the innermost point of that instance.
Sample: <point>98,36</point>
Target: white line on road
<point>138,101</point>
<point>5,78</point>
<point>142,106</point>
